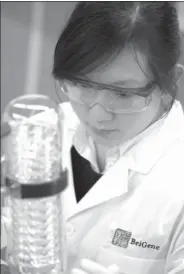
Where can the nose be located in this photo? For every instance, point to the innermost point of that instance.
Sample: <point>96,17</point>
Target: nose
<point>98,115</point>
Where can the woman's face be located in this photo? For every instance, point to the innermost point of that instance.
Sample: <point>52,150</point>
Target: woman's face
<point>108,128</point>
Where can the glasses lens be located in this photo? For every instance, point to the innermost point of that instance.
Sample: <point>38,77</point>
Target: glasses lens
<point>125,103</point>
<point>112,101</point>
<point>80,93</point>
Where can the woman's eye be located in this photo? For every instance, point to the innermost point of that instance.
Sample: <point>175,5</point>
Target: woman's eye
<point>85,86</point>
<point>75,84</point>
<point>81,85</point>
<point>122,95</point>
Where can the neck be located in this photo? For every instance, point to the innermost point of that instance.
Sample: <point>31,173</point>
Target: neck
<point>101,154</point>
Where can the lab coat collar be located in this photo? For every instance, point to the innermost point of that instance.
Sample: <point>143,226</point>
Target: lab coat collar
<point>112,184</point>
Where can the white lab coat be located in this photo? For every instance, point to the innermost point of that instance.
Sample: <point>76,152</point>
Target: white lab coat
<point>142,196</point>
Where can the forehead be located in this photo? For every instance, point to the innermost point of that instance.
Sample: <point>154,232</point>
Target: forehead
<point>124,67</point>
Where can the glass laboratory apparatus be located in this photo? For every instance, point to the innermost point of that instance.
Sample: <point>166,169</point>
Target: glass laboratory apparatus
<point>34,180</point>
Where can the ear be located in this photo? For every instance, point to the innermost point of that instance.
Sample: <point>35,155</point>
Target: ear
<point>179,70</point>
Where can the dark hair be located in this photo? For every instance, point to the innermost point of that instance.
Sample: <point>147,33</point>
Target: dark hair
<point>98,31</point>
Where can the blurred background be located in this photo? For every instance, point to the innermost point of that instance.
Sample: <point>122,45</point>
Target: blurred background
<point>29,31</point>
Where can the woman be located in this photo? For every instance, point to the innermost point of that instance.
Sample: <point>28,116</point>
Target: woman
<point>117,63</point>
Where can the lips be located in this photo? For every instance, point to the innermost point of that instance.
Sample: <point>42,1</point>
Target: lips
<point>102,131</point>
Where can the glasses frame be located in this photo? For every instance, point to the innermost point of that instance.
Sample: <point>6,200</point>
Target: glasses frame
<point>144,92</point>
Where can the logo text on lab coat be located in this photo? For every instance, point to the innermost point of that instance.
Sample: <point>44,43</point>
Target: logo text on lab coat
<point>143,244</point>
<point>123,238</point>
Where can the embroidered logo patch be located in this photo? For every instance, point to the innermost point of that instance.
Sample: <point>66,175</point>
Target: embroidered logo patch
<point>121,238</point>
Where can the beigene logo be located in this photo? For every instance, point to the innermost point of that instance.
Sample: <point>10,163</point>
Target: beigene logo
<point>144,244</point>
<point>123,238</point>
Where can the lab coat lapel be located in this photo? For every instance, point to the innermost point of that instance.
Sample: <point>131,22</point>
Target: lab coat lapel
<point>112,184</point>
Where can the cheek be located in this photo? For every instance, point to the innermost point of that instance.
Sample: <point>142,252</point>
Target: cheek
<point>126,122</point>
<point>79,110</point>
<point>134,123</point>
